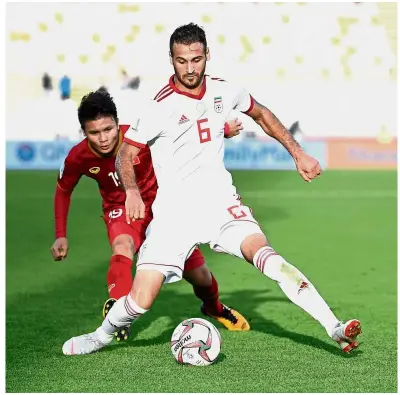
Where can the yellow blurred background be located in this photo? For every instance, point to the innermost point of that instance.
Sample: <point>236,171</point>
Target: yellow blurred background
<point>318,62</point>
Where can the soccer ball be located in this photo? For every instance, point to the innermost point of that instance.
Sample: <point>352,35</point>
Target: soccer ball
<point>196,342</point>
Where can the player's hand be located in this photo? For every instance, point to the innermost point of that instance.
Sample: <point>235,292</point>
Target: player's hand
<point>235,126</point>
<point>134,206</point>
<point>59,249</point>
<point>308,167</point>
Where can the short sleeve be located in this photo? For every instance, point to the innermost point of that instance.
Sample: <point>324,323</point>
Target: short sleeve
<point>145,126</point>
<point>243,101</point>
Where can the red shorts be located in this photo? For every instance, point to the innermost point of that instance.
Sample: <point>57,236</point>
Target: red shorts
<point>115,220</point>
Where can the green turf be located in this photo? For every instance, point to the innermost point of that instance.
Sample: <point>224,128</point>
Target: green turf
<point>339,230</point>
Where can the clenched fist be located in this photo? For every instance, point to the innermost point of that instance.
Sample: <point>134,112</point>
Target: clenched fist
<point>59,249</point>
<point>308,167</point>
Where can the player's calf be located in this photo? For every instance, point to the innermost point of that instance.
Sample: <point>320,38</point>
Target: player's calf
<point>205,287</point>
<point>145,288</point>
<point>302,292</point>
<point>119,275</point>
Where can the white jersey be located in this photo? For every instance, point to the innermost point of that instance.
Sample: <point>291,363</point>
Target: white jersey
<point>186,136</point>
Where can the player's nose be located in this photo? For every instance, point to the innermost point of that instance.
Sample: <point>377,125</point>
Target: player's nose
<point>190,68</point>
<point>103,138</point>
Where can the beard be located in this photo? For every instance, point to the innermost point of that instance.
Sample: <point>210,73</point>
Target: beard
<point>196,81</point>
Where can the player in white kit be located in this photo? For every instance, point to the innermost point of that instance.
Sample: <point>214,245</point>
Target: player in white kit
<point>196,201</point>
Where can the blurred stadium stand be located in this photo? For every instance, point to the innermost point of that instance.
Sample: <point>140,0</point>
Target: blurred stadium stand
<point>328,65</point>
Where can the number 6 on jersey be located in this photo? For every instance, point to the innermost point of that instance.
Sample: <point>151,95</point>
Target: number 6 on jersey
<point>204,133</point>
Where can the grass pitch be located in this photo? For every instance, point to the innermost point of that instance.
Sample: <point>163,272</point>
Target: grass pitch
<point>339,230</point>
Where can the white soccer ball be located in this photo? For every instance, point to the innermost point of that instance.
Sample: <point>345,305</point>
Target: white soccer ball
<point>196,341</point>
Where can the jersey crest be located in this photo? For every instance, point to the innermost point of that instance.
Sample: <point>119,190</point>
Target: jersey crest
<point>94,170</point>
<point>218,107</point>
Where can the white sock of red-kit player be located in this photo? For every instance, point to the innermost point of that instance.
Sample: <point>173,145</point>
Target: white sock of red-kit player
<point>295,286</point>
<point>123,313</point>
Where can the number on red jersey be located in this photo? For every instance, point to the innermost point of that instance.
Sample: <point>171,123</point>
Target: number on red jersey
<point>115,178</point>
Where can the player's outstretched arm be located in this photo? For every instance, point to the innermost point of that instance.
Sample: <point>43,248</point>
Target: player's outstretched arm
<point>69,175</point>
<point>62,200</point>
<point>307,166</point>
<point>134,205</point>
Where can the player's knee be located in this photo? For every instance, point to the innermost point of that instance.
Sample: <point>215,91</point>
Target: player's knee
<point>123,245</point>
<point>251,244</point>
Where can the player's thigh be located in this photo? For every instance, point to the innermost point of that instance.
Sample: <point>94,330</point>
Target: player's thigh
<point>195,260</point>
<point>120,233</point>
<point>234,232</point>
<point>165,249</point>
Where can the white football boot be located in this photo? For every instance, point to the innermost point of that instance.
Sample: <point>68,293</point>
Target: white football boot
<point>345,334</point>
<point>86,344</point>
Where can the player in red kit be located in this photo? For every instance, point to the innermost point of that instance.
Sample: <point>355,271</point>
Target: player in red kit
<point>94,157</point>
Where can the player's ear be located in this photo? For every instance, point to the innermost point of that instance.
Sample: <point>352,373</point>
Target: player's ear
<point>208,54</point>
<point>170,57</point>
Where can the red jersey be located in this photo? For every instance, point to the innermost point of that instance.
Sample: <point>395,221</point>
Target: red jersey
<point>83,160</point>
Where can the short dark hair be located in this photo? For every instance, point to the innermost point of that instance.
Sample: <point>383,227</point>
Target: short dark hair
<point>95,105</point>
<point>188,34</point>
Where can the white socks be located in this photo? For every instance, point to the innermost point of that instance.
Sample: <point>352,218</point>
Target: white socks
<point>295,286</point>
<point>123,313</point>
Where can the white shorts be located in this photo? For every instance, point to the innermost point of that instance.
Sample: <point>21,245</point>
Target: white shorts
<point>170,239</point>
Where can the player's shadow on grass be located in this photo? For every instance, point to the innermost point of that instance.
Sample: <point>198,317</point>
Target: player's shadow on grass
<point>52,318</point>
<point>178,307</point>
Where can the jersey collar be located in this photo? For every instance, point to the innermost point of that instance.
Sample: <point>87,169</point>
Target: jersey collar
<point>198,97</point>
